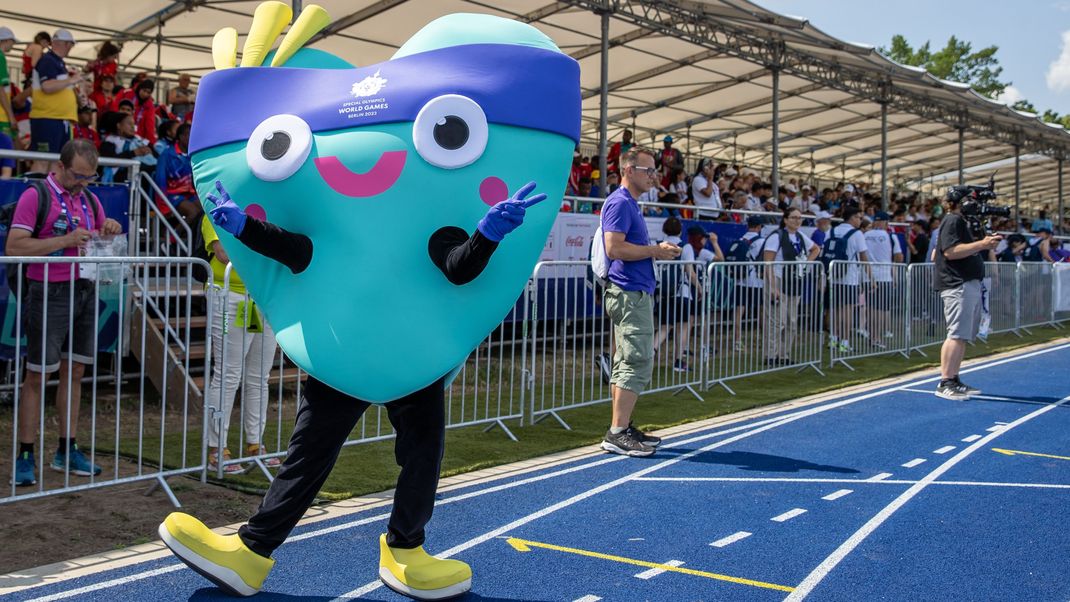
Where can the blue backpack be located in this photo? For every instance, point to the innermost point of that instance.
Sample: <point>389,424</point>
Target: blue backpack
<point>739,250</point>
<point>835,249</point>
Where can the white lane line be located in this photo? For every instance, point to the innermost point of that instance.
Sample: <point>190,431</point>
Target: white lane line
<point>774,480</point>
<point>859,482</point>
<point>879,477</point>
<point>914,463</point>
<point>775,421</point>
<point>814,578</point>
<point>971,438</point>
<point>651,573</point>
<point>996,428</point>
<point>731,539</point>
<point>835,495</point>
<point>790,514</point>
<point>944,449</point>
<point>588,598</point>
<point>110,583</point>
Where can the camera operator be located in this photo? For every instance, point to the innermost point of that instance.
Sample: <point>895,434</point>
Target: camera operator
<point>958,274</point>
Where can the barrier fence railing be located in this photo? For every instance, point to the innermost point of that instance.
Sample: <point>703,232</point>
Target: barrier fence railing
<point>1061,291</point>
<point>131,433</point>
<point>1035,291</point>
<point>251,375</point>
<point>761,317</point>
<point>868,310</point>
<point>1000,289</point>
<point>927,325</point>
<point>553,352</point>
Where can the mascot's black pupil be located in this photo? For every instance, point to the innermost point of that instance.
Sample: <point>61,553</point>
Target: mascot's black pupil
<point>451,133</point>
<point>276,146</point>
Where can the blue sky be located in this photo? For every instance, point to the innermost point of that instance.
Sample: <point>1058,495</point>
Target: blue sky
<point>1033,35</point>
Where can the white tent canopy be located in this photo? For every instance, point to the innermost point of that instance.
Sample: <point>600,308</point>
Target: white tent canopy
<point>726,78</point>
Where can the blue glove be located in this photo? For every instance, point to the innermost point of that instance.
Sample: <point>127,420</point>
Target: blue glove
<point>227,214</point>
<point>504,217</point>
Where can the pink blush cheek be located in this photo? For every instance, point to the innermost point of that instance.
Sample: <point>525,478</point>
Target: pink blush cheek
<point>256,211</point>
<point>493,190</point>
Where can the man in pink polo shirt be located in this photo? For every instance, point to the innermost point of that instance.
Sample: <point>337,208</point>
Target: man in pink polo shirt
<point>74,216</point>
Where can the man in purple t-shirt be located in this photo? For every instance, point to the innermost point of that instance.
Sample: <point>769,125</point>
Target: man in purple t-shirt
<point>74,216</point>
<point>628,299</point>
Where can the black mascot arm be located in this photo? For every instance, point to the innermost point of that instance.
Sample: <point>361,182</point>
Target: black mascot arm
<point>460,257</point>
<point>291,250</point>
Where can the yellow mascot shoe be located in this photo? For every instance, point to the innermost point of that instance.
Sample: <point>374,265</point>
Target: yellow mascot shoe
<point>222,559</point>
<point>417,574</point>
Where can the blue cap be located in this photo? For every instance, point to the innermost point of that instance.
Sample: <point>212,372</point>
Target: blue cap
<point>881,216</point>
<point>755,220</point>
<point>668,139</point>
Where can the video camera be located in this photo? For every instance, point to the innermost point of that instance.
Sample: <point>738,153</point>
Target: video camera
<point>974,202</point>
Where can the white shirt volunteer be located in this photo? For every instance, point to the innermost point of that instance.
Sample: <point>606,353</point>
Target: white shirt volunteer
<point>754,253</point>
<point>882,248</point>
<point>702,201</point>
<point>855,246</point>
<point>800,241</point>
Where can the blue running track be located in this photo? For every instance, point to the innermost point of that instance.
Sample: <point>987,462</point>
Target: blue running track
<point>887,494</point>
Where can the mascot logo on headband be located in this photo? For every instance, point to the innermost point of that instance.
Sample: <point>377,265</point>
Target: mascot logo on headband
<point>369,86</point>
<point>477,106</point>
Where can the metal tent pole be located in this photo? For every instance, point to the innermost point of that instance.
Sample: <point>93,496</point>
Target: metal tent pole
<point>1059,217</point>
<point>1017,186</point>
<point>962,147</point>
<point>776,131</point>
<point>884,156</point>
<point>603,113</point>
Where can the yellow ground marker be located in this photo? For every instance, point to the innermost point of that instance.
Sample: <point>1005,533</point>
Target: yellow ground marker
<point>1015,452</point>
<point>523,545</point>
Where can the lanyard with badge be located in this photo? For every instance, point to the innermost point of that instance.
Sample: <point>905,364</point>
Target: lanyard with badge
<point>72,223</point>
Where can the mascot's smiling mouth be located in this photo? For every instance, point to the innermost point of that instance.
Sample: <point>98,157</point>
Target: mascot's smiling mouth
<point>377,180</point>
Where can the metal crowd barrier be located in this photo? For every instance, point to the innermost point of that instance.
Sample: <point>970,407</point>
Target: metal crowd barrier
<point>121,301</point>
<point>1061,291</point>
<point>488,389</point>
<point>1035,292</point>
<point>552,353</point>
<point>868,310</point>
<point>1000,288</point>
<point>761,317</point>
<point>927,324</point>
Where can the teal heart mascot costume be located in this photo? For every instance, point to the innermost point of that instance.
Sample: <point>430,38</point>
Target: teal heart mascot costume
<point>308,167</point>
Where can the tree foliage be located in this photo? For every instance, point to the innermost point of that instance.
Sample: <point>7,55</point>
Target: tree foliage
<point>956,61</point>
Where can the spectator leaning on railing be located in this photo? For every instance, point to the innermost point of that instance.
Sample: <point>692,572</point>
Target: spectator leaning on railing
<point>629,299</point>
<point>74,215</point>
<point>846,242</point>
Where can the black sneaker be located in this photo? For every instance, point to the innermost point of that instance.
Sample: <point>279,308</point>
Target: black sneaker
<point>951,389</point>
<point>625,444</point>
<point>969,390</point>
<point>650,440</point>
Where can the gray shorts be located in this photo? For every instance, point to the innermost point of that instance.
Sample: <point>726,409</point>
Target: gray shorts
<point>47,324</point>
<point>962,310</point>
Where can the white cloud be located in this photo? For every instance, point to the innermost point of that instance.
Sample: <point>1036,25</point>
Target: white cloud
<point>1010,96</point>
<point>1058,77</point>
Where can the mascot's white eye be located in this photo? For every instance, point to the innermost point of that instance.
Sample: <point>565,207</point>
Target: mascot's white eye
<point>278,147</point>
<point>450,131</point>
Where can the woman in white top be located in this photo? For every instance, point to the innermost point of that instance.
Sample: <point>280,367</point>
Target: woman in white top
<point>704,189</point>
<point>785,284</point>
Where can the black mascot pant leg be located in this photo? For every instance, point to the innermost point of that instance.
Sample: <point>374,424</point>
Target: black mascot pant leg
<point>325,418</point>
<point>420,422</point>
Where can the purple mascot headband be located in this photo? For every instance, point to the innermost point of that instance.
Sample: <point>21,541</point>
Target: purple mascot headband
<point>514,85</point>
